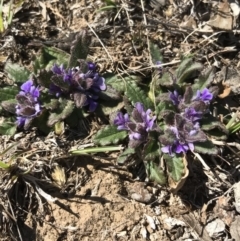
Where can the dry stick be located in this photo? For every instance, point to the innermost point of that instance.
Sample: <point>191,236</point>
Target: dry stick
<point>100,42</point>
<point>201,160</point>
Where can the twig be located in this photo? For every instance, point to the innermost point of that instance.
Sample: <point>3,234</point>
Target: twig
<point>100,42</point>
<point>202,161</point>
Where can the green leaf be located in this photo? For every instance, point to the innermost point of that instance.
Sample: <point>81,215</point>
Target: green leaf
<point>41,122</point>
<point>17,73</point>
<point>135,94</point>
<point>80,48</point>
<point>109,135</point>
<point>9,105</point>
<point>151,150</point>
<point>210,122</point>
<point>206,147</point>
<point>204,80</point>
<point>217,134</point>
<point>155,174</point>
<point>125,155</point>
<point>186,68</point>
<point>4,165</point>
<point>155,53</point>
<point>110,94</point>
<point>44,78</point>
<point>49,56</point>
<point>8,128</point>
<point>118,82</point>
<point>165,80</point>
<point>64,109</point>
<point>8,93</point>
<point>176,167</point>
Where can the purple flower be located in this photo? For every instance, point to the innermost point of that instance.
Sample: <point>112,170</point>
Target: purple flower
<point>138,127</point>
<point>28,106</point>
<point>121,121</point>
<point>175,97</point>
<point>181,137</point>
<point>203,95</point>
<point>82,85</point>
<point>192,115</point>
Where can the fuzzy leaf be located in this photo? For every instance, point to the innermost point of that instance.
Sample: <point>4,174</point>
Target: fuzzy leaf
<point>80,48</point>
<point>59,82</point>
<point>17,73</point>
<point>8,128</point>
<point>155,174</point>
<point>110,94</point>
<point>64,109</point>
<point>9,105</point>
<point>175,166</point>
<point>41,122</point>
<point>8,93</point>
<point>49,56</point>
<point>155,53</point>
<point>210,122</point>
<point>118,83</point>
<point>204,80</point>
<point>44,78</point>
<point>135,94</point>
<point>151,150</point>
<point>217,134</point>
<point>165,80</point>
<point>186,68</point>
<point>109,135</point>
<point>125,155</point>
<point>206,147</point>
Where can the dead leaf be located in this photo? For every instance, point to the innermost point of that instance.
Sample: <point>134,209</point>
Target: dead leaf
<point>215,228</point>
<point>226,91</point>
<point>223,19</point>
<point>235,229</point>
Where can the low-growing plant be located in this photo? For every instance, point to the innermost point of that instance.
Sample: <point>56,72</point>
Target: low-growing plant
<point>163,124</point>
<point>63,87</point>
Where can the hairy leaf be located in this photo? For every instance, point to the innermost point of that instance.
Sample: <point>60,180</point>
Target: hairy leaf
<point>186,68</point>
<point>8,93</point>
<point>59,82</point>
<point>210,122</point>
<point>17,73</point>
<point>125,155</point>
<point>44,78</point>
<point>49,56</point>
<point>175,166</point>
<point>204,80</point>
<point>110,94</point>
<point>206,147</point>
<point>8,128</point>
<point>151,150</point>
<point>80,48</point>
<point>9,105</point>
<point>217,134</point>
<point>64,109</point>
<point>155,173</point>
<point>167,80</point>
<point>109,135</point>
<point>155,53</point>
<point>135,94</point>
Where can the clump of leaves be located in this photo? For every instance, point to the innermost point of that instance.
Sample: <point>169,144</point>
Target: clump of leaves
<point>165,123</point>
<point>63,87</point>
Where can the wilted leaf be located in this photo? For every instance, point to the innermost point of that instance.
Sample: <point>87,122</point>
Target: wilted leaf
<point>177,171</point>
<point>59,128</point>
<point>109,135</point>
<point>17,73</point>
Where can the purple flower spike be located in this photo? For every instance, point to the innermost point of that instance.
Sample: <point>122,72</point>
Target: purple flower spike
<point>82,84</point>
<point>204,95</point>
<point>177,147</point>
<point>121,121</point>
<point>175,97</point>
<point>28,105</point>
